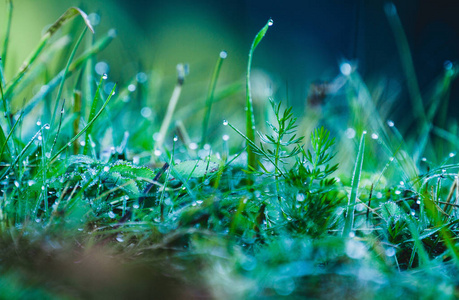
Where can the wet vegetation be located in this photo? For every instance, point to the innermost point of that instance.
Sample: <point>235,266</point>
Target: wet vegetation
<point>105,193</point>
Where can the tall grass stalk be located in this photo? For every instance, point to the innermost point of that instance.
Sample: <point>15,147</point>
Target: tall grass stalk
<point>349,222</point>
<point>210,96</point>
<point>181,72</point>
<point>250,118</point>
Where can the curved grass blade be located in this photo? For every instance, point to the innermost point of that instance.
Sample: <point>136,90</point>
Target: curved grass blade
<point>250,118</point>
<point>52,84</point>
<point>355,184</point>
<point>68,15</point>
<point>210,95</point>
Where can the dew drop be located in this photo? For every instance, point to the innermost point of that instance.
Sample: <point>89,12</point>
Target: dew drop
<point>452,154</point>
<point>223,54</point>
<point>350,133</point>
<point>38,123</point>
<point>193,146</point>
<point>111,215</point>
<point>270,22</point>
<point>42,187</point>
<point>136,206</point>
<point>47,127</point>
<point>131,87</point>
<point>120,238</point>
<point>16,183</point>
<point>390,123</point>
<point>225,137</point>
<point>374,136</point>
<point>82,143</point>
<point>225,122</point>
<point>106,168</point>
<point>345,69</point>
<point>206,147</point>
<point>424,159</point>
<point>105,76</point>
<point>145,112</point>
<point>175,138</point>
<point>157,152</point>
<point>199,201</point>
<point>390,252</point>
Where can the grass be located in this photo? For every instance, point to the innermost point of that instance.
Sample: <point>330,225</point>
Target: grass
<point>93,207</point>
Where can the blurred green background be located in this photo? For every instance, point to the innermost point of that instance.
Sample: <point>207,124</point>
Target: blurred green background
<point>307,43</point>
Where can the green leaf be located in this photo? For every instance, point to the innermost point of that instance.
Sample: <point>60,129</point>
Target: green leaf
<point>195,168</point>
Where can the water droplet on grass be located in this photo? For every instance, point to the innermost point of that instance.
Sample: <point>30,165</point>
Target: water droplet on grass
<point>270,22</point>
<point>145,112</point>
<point>345,69</point>
<point>157,152</point>
<point>452,154</point>
<point>225,137</point>
<point>38,123</point>
<point>175,138</point>
<point>390,123</point>
<point>390,252</point>
<point>105,76</point>
<point>374,136</point>
<point>225,123</point>
<point>193,146</point>
<point>111,215</point>
<point>131,87</point>
<point>223,54</point>
<point>106,168</point>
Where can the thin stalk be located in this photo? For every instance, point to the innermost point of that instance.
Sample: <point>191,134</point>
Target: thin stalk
<point>66,70</point>
<point>9,14</point>
<point>102,44</point>
<point>210,96</point>
<point>250,118</point>
<point>355,185</point>
<point>84,129</point>
<point>171,107</point>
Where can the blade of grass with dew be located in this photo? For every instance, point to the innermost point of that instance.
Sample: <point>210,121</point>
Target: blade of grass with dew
<point>98,47</point>
<point>250,118</point>
<point>64,76</point>
<point>27,146</point>
<point>210,95</point>
<point>171,106</point>
<point>68,15</point>
<point>5,141</point>
<point>354,188</point>
<point>92,113</point>
<point>85,128</point>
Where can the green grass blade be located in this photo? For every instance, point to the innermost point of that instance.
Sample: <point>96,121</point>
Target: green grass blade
<point>92,113</point>
<point>68,15</point>
<point>53,83</point>
<point>355,184</point>
<point>210,96</point>
<point>4,141</point>
<point>85,128</point>
<point>407,61</point>
<point>9,14</point>
<point>66,70</point>
<point>250,118</point>
<point>171,106</point>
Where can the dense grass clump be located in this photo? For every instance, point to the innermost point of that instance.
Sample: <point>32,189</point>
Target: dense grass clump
<point>105,195</point>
